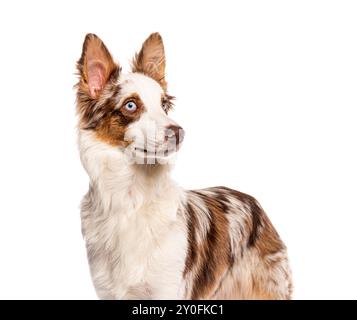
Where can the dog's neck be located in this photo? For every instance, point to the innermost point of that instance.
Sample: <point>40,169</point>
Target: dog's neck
<point>122,186</point>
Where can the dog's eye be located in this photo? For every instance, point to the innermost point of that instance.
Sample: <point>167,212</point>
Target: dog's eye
<point>167,103</point>
<point>130,106</point>
<point>164,106</point>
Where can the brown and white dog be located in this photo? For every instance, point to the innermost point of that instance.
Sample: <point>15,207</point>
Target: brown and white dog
<point>146,237</point>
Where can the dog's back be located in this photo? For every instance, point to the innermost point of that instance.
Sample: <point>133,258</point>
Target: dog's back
<point>234,251</point>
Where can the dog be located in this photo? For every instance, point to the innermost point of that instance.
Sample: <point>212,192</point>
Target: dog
<point>147,238</point>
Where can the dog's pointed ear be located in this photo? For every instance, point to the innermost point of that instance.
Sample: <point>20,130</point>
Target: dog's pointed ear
<point>96,66</point>
<point>151,59</point>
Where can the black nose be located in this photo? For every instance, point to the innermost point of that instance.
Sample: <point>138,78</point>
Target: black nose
<point>174,131</point>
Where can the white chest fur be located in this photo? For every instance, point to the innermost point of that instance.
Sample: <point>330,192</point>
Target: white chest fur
<point>135,239</point>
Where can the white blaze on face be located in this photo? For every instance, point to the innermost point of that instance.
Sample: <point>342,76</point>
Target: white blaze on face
<point>148,132</point>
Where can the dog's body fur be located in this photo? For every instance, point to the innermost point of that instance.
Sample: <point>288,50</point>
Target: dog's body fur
<point>146,237</point>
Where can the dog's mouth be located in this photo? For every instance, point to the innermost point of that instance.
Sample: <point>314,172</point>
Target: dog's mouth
<point>155,153</point>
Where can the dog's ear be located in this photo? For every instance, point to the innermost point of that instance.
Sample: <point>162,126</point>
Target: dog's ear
<point>151,59</point>
<point>96,66</point>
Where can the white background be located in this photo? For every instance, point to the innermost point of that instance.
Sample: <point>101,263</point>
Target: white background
<point>266,91</point>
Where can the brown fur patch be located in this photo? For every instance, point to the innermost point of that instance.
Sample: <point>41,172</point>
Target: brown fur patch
<point>268,241</point>
<point>213,255</point>
<point>92,109</point>
<point>192,241</point>
<point>213,260</point>
<point>253,207</point>
<point>167,102</point>
<point>113,126</point>
<point>151,59</point>
<point>263,235</point>
<point>112,131</point>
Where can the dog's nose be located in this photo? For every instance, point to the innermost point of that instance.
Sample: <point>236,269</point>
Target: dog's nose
<point>174,131</point>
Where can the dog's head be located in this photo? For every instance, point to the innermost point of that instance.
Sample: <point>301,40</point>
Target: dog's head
<point>128,111</point>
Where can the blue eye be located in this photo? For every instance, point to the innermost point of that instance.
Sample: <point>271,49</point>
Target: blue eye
<point>130,106</point>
